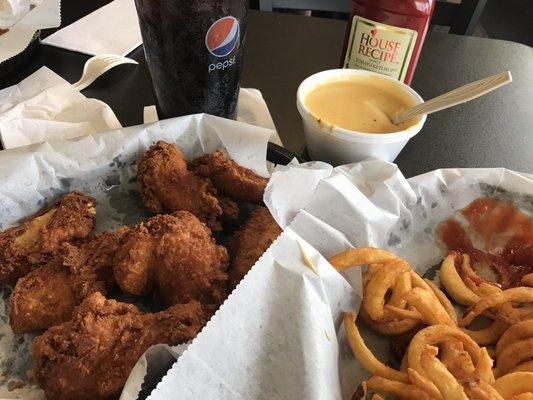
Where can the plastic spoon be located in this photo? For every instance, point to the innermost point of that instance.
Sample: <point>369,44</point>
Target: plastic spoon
<point>460,95</point>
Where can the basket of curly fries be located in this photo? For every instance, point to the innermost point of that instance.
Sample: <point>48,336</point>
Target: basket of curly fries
<point>456,307</point>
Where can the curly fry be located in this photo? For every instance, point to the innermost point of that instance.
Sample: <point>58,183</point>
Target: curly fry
<point>446,383</point>
<point>482,391</point>
<point>454,284</point>
<point>365,356</point>
<point>518,294</point>
<point>437,334</point>
<point>429,306</point>
<point>424,383</point>
<point>456,359</point>
<point>524,367</point>
<point>444,301</point>
<point>379,285</point>
<point>519,331</point>
<point>514,384</point>
<point>401,286</point>
<point>389,328</point>
<point>488,335</point>
<point>513,355</point>
<point>398,389</point>
<point>361,256</point>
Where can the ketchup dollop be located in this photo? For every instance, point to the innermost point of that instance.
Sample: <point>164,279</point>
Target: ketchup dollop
<point>503,237</point>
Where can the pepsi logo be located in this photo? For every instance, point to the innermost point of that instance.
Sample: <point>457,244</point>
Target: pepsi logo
<point>222,36</point>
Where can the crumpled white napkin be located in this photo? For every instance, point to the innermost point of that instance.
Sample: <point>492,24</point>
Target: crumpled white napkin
<point>11,11</point>
<point>23,23</point>
<point>112,29</point>
<point>44,107</point>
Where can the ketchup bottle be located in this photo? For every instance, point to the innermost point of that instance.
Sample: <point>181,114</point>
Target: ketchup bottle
<point>386,36</point>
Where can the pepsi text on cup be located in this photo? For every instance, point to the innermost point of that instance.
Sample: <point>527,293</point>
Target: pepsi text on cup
<point>221,39</point>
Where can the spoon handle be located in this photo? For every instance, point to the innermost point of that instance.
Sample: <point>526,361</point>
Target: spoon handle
<point>460,95</point>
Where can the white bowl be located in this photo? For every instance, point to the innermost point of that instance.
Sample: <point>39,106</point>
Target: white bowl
<point>342,146</point>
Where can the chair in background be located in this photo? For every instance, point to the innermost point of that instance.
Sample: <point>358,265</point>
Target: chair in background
<point>316,5</point>
<point>462,18</point>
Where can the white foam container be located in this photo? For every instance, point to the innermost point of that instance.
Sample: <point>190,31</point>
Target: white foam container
<point>338,146</point>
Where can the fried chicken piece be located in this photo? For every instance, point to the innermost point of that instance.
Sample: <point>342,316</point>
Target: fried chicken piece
<point>38,239</point>
<point>91,265</point>
<point>176,255</point>
<point>43,298</point>
<point>230,209</point>
<point>189,265</point>
<point>167,185</point>
<point>250,242</point>
<point>48,295</point>
<point>91,356</point>
<point>230,179</point>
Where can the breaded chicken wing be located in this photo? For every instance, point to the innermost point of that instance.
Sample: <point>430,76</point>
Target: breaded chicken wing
<point>91,356</point>
<point>37,240</point>
<point>230,179</point>
<point>167,185</point>
<point>248,244</point>
<point>48,295</point>
<point>176,255</point>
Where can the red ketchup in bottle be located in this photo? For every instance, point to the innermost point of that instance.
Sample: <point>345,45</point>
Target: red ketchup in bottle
<point>386,36</point>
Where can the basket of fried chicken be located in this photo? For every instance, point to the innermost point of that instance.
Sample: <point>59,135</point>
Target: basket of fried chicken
<point>61,271</point>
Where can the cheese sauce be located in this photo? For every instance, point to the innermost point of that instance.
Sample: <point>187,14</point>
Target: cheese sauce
<point>359,103</point>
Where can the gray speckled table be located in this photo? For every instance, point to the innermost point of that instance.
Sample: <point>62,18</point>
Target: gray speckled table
<point>282,50</point>
<point>493,131</point>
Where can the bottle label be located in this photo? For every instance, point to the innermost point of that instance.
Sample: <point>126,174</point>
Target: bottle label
<point>380,48</point>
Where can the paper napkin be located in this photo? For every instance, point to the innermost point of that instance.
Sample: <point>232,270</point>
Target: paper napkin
<point>112,29</point>
<point>44,107</point>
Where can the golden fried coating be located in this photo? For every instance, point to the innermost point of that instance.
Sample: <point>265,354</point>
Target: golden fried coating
<point>230,179</point>
<point>230,209</point>
<point>91,264</point>
<point>172,254</point>
<point>189,265</point>
<point>48,295</point>
<point>37,240</point>
<point>250,242</point>
<point>167,185</point>
<point>134,258</point>
<point>177,256</point>
<point>43,298</point>
<point>91,356</point>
